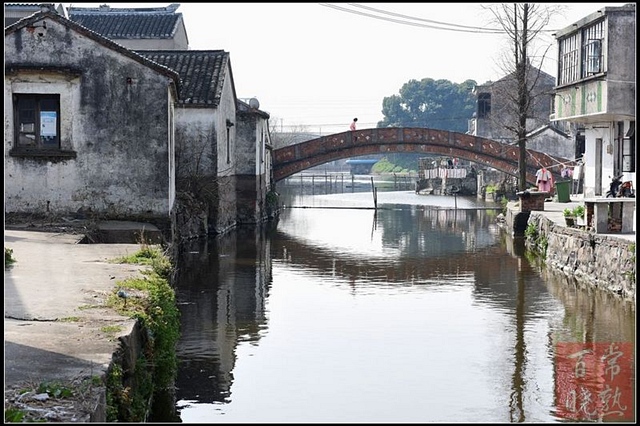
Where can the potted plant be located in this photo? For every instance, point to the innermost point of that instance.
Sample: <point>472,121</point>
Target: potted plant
<point>569,216</point>
<point>578,212</point>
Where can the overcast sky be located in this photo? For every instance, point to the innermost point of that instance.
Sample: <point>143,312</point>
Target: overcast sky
<point>316,66</point>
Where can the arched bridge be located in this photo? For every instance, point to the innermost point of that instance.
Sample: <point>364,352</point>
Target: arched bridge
<point>504,157</point>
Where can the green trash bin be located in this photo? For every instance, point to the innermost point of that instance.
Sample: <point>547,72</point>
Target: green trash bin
<point>563,189</point>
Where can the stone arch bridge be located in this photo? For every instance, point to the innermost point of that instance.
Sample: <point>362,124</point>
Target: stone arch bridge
<point>295,158</point>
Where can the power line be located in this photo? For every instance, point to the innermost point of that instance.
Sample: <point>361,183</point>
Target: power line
<point>482,29</point>
<point>452,27</point>
<point>415,24</point>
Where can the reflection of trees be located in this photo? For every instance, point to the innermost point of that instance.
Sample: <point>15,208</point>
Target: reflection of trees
<point>402,270</point>
<point>221,290</point>
<point>429,231</point>
<point>429,255</point>
<point>516,405</point>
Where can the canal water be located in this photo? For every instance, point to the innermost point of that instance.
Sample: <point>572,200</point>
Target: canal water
<point>421,311</point>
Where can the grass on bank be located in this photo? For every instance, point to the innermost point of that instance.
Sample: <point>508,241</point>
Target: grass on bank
<point>151,300</point>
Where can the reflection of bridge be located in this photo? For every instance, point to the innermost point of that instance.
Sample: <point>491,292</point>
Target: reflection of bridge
<point>504,157</point>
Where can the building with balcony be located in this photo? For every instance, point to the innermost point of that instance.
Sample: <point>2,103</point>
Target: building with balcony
<point>596,88</point>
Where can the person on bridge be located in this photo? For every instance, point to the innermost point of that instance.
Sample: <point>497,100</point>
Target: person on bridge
<point>352,127</point>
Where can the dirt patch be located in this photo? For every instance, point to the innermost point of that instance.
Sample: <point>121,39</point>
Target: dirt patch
<point>79,400</point>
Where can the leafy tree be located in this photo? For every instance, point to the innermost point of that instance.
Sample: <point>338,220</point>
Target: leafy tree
<point>435,104</point>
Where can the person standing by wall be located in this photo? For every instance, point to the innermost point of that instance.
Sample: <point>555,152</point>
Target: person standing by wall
<point>544,180</point>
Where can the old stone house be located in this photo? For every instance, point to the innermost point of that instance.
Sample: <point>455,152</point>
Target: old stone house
<point>80,136</point>
<point>495,113</point>
<point>217,139</point>
<point>254,169</point>
<point>214,154</point>
<point>205,130</point>
<point>596,88</point>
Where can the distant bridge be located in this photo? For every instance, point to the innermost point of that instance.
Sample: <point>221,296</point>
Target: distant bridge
<point>295,158</point>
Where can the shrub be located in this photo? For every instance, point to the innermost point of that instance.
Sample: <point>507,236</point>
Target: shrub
<point>578,211</point>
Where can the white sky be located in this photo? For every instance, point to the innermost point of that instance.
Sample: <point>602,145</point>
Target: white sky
<point>314,67</point>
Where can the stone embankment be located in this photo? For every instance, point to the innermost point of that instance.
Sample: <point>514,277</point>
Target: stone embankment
<point>604,261</point>
<point>600,260</point>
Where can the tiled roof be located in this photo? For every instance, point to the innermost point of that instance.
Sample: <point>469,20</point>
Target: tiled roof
<point>28,6</point>
<point>129,26</point>
<point>30,20</point>
<point>202,73</point>
<point>13,12</point>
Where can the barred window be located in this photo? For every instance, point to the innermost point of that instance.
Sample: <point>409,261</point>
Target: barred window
<point>581,55</point>
<point>592,58</point>
<point>569,59</point>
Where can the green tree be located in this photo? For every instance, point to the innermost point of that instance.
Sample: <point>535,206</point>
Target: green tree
<point>434,104</point>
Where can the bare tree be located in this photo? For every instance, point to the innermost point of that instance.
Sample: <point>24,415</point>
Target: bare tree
<point>294,134</point>
<point>524,25</point>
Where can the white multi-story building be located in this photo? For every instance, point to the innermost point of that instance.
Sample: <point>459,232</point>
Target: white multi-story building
<point>596,87</point>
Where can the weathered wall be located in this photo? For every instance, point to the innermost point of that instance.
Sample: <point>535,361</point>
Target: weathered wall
<point>621,60</point>
<point>553,144</point>
<point>206,160</point>
<point>503,112</point>
<point>251,171</point>
<point>114,113</point>
<point>601,261</point>
<point>196,143</point>
<point>225,215</point>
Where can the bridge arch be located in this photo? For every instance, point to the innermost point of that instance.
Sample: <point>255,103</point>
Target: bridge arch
<point>295,158</point>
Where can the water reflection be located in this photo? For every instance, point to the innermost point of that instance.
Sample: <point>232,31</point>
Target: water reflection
<point>222,293</point>
<point>412,313</point>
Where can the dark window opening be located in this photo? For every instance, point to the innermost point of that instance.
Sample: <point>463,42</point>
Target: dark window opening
<point>228,146</point>
<point>484,105</point>
<point>629,149</point>
<point>37,121</point>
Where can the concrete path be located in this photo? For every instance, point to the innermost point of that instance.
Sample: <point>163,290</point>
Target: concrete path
<point>52,297</point>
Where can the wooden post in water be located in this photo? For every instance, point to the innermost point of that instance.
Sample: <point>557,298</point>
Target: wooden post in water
<point>375,195</point>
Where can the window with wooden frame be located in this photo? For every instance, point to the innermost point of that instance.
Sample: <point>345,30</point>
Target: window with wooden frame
<point>37,121</point>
